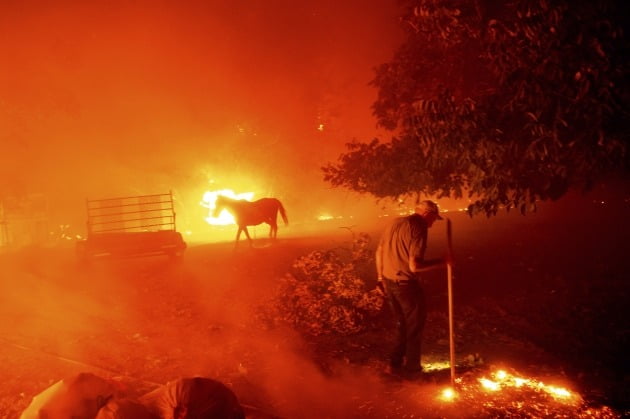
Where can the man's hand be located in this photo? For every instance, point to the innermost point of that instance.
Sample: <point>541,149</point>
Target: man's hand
<point>380,288</point>
<point>429,265</point>
<point>448,259</point>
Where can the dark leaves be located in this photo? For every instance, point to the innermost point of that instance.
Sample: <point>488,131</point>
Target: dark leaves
<point>506,102</point>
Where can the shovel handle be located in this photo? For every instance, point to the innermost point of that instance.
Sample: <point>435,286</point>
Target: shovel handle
<point>449,274</point>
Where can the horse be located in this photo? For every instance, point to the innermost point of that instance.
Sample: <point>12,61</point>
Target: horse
<point>252,213</point>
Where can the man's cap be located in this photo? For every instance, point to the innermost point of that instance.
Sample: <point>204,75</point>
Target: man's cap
<point>428,206</point>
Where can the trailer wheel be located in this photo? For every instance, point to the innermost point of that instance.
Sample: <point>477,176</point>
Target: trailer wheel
<point>83,258</point>
<point>176,257</point>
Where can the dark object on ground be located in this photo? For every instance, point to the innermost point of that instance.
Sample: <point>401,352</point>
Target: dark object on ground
<point>125,409</point>
<point>194,398</point>
<point>118,245</point>
<point>79,397</point>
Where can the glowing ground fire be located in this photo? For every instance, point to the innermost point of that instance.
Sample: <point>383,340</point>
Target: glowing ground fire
<point>209,201</point>
<point>505,394</point>
<point>501,380</point>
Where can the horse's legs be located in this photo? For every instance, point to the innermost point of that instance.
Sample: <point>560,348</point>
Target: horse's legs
<point>273,229</point>
<point>238,236</point>
<point>273,224</point>
<point>251,243</point>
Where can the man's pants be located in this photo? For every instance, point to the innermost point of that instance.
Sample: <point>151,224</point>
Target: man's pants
<point>407,301</point>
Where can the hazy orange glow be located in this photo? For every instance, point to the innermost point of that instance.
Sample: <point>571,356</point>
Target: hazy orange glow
<point>137,98</point>
<point>209,201</point>
<point>101,99</point>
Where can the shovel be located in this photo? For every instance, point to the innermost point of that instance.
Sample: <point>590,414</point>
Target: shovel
<point>449,274</point>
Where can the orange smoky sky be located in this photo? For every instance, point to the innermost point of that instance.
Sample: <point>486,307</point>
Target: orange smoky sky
<point>115,98</point>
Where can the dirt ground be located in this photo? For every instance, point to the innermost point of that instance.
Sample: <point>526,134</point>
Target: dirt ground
<point>542,296</point>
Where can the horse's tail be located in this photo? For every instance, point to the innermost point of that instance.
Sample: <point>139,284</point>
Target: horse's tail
<point>283,213</point>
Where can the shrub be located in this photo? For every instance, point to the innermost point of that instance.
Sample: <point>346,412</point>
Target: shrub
<point>325,293</point>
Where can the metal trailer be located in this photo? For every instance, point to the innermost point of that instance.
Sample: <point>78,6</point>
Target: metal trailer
<point>131,226</point>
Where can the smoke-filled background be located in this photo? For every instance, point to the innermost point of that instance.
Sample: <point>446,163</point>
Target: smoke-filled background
<point>106,99</point>
<point>123,98</point>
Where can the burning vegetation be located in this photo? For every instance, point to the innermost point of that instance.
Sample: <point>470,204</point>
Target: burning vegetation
<point>506,393</point>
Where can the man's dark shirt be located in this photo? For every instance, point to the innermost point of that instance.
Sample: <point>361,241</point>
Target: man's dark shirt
<point>405,236</point>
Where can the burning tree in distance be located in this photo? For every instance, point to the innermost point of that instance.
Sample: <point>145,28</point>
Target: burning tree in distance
<point>507,102</point>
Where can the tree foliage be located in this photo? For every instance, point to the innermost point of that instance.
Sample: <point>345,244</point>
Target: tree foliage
<point>506,102</point>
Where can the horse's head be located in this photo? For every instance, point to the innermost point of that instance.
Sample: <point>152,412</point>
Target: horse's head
<point>219,204</point>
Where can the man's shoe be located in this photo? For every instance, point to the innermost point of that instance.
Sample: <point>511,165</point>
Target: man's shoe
<point>395,362</point>
<point>412,375</point>
<point>395,370</point>
<point>413,368</point>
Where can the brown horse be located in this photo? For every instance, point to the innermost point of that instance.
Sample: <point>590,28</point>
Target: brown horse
<point>248,213</point>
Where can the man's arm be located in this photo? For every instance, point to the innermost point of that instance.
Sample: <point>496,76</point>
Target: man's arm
<point>417,263</point>
<point>379,270</point>
<point>425,265</point>
<point>379,262</point>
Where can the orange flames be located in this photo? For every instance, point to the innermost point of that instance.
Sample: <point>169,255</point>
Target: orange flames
<point>506,394</point>
<point>502,390</point>
<point>209,201</point>
<point>502,380</point>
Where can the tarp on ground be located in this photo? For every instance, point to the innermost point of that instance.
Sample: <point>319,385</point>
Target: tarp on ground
<point>195,397</point>
<point>77,397</point>
<point>125,409</point>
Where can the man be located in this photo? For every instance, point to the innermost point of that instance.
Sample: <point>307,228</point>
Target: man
<point>399,260</point>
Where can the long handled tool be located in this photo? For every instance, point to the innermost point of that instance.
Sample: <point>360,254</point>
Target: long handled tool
<point>449,274</point>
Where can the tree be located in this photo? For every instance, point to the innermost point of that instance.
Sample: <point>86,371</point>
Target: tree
<point>508,102</point>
